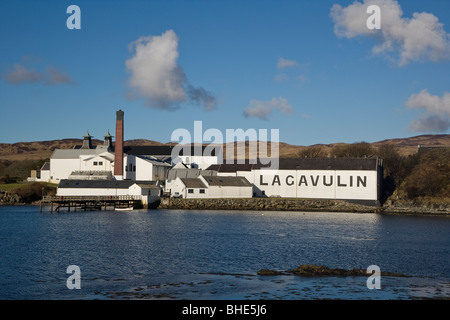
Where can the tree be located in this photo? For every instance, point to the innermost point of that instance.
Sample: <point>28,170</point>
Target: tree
<point>313,152</point>
<point>354,150</point>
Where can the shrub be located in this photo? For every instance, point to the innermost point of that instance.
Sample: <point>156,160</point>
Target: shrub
<point>354,150</point>
<point>34,191</point>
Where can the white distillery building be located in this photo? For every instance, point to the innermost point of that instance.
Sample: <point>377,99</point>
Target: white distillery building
<point>181,171</point>
<point>139,162</point>
<point>146,191</point>
<point>87,162</point>
<point>119,162</point>
<point>191,156</point>
<point>327,178</point>
<point>212,187</point>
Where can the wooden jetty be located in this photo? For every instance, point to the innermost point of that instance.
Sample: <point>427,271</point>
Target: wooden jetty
<point>89,203</point>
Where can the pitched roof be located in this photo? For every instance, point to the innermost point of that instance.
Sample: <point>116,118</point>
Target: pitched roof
<point>46,166</point>
<point>74,153</point>
<point>227,181</point>
<point>189,173</point>
<point>193,183</point>
<point>154,161</point>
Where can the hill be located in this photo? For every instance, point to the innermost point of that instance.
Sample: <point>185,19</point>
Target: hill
<point>38,150</point>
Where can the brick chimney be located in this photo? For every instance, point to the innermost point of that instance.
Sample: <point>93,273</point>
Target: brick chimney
<point>118,148</point>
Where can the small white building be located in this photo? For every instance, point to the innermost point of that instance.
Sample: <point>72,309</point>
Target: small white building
<point>146,191</point>
<point>42,175</point>
<point>142,168</point>
<point>212,187</point>
<point>180,171</point>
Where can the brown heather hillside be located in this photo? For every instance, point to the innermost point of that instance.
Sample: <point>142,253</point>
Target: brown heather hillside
<point>43,149</point>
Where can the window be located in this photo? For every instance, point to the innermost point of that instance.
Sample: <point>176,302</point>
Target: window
<point>202,190</point>
<point>190,190</point>
<point>100,163</point>
<point>134,168</point>
<point>95,163</point>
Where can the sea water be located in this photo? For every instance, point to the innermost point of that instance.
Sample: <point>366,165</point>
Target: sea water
<point>192,254</point>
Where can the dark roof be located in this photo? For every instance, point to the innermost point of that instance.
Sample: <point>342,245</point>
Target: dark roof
<point>46,166</point>
<point>227,181</point>
<point>102,184</point>
<point>166,150</point>
<point>329,164</point>
<point>233,167</point>
<point>305,164</point>
<point>199,150</point>
<point>148,150</point>
<point>193,183</point>
<point>189,173</point>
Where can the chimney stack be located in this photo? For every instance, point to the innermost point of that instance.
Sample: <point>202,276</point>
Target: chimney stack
<point>118,148</point>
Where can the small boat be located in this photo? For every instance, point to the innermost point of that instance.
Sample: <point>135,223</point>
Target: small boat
<point>124,209</point>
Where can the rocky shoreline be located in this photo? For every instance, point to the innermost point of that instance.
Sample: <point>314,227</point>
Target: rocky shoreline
<point>423,207</point>
<point>308,205</point>
<point>10,199</point>
<point>312,270</point>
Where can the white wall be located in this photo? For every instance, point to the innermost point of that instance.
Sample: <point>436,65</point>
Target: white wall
<point>201,162</point>
<point>136,190</point>
<point>91,192</point>
<point>320,184</point>
<point>45,175</point>
<point>87,163</point>
<point>143,170</point>
<point>177,186</point>
<point>62,168</point>
<point>227,191</point>
<point>230,192</point>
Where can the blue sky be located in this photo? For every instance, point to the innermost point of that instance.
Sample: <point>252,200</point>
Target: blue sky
<point>311,69</point>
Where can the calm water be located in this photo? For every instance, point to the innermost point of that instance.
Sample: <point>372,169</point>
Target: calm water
<point>174,254</point>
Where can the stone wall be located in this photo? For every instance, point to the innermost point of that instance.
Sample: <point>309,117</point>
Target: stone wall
<point>276,204</point>
<point>307,205</point>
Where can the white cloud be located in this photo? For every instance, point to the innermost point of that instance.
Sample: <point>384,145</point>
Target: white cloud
<point>262,109</point>
<point>420,38</point>
<point>156,76</point>
<point>436,111</point>
<point>20,74</point>
<point>284,63</point>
